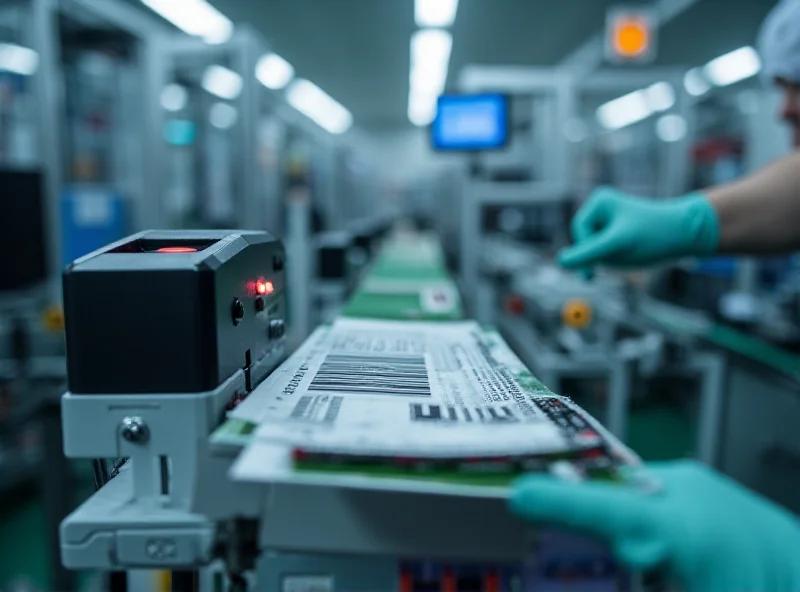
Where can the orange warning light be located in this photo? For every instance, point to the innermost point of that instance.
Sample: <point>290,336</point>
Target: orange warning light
<point>631,36</point>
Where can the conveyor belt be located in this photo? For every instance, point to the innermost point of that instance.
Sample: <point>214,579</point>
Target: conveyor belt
<point>404,283</point>
<point>675,320</point>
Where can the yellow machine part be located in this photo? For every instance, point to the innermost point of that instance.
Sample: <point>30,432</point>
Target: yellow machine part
<point>53,319</point>
<point>576,313</point>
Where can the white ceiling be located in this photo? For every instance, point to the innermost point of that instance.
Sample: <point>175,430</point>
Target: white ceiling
<point>357,50</point>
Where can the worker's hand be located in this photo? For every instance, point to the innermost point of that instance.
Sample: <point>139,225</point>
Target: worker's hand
<point>615,229</point>
<point>710,533</point>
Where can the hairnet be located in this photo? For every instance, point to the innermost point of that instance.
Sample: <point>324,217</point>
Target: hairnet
<point>779,42</point>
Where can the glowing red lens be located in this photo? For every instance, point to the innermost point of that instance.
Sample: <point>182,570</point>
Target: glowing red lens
<point>264,287</point>
<point>177,250</point>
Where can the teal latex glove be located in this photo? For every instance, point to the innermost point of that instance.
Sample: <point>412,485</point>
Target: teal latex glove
<point>618,230</point>
<point>705,530</point>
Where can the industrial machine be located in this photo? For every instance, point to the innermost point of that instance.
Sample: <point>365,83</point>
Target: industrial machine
<point>166,332</point>
<point>572,332</point>
<point>335,272</point>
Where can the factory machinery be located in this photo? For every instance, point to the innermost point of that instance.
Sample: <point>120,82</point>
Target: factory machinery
<point>169,331</point>
<point>603,330</point>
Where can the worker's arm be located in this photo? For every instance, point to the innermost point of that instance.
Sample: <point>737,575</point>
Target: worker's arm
<point>755,215</point>
<point>760,213</point>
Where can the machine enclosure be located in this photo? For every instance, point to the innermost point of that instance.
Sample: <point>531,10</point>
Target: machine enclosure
<point>125,295</point>
<point>333,250</point>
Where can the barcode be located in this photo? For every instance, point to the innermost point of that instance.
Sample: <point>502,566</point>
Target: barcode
<point>484,414</point>
<point>405,376</point>
<point>321,409</point>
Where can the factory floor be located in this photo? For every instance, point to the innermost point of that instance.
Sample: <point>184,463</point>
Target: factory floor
<point>24,564</point>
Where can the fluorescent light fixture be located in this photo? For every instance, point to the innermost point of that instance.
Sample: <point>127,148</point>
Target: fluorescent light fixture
<point>421,109</point>
<point>695,82</point>
<point>174,97</point>
<point>435,13</point>
<point>431,45</point>
<point>195,17</point>
<point>318,106</point>
<point>274,72</point>
<point>733,67</point>
<point>428,80</point>
<point>222,82</point>
<point>222,115</point>
<point>430,60</point>
<point>660,96</point>
<point>17,59</point>
<point>624,111</point>
<point>671,128</point>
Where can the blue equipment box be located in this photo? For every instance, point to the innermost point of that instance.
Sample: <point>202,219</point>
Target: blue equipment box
<point>91,217</point>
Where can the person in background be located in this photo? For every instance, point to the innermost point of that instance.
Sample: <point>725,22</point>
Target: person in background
<point>704,530</point>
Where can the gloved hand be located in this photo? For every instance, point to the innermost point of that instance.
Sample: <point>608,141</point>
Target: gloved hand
<point>707,531</point>
<point>615,229</point>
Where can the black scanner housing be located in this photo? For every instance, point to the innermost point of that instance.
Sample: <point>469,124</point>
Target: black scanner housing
<point>139,320</point>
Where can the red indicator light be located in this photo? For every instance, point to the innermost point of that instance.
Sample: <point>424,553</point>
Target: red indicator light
<point>492,582</point>
<point>264,287</point>
<point>177,250</point>
<point>449,581</point>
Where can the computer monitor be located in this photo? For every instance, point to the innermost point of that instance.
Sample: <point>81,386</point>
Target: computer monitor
<point>470,123</point>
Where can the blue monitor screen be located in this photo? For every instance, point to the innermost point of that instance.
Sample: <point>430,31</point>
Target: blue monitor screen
<point>471,122</point>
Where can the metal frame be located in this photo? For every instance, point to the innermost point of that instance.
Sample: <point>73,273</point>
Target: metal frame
<point>675,156</point>
<point>559,91</point>
<point>48,91</point>
<point>242,50</point>
<point>45,27</point>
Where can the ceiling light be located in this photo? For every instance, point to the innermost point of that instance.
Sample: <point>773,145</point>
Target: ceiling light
<point>17,59</point>
<point>273,71</point>
<point>660,96</point>
<point>195,17</point>
<point>671,128</point>
<point>435,13</point>
<point>430,59</point>
<point>421,109</point>
<point>174,97</point>
<point>733,67</point>
<point>222,115</point>
<point>222,82</point>
<point>428,80</point>
<point>431,45</point>
<point>695,83</point>
<point>318,106</point>
<point>624,111</point>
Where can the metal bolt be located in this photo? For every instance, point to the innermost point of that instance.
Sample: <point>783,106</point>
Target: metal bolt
<point>134,429</point>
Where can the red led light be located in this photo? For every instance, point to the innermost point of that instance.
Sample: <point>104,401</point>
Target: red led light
<point>177,250</point>
<point>264,287</point>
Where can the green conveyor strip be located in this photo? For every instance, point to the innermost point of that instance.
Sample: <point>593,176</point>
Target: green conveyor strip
<point>725,337</point>
<point>755,349</point>
<point>420,263</point>
<point>401,307</point>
